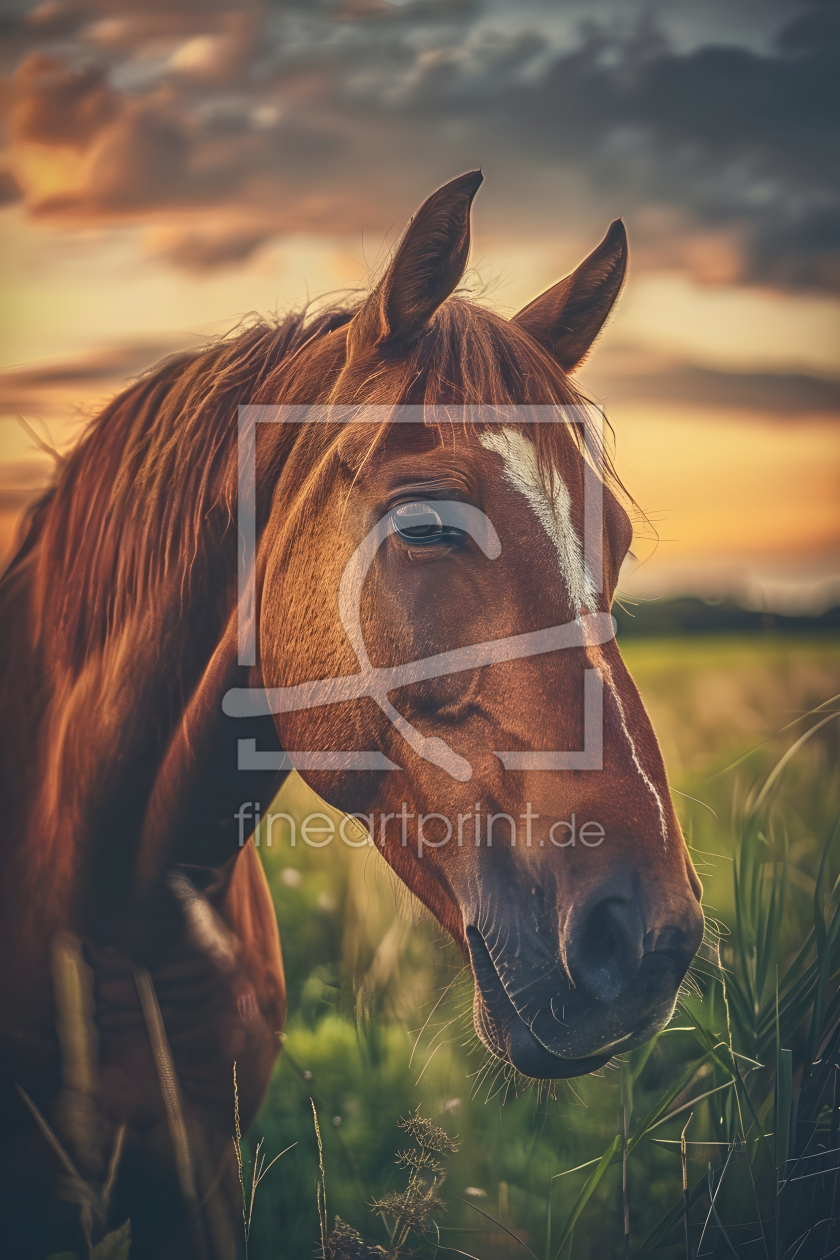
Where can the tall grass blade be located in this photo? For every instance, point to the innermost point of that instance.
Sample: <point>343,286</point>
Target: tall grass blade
<point>589,1187</point>
<point>77,1115</point>
<point>84,1193</point>
<point>782,1106</point>
<point>774,919</point>
<point>237,1146</point>
<point>113,1167</point>
<point>791,752</point>
<point>656,1113</point>
<point>321,1186</point>
<point>114,1246</point>
<point>684,1161</point>
<point>169,1085</point>
<point>714,1212</point>
<point>713,1195</point>
<point>640,1057</point>
<point>488,1217</point>
<point>823,949</point>
<point>671,1219</point>
<point>626,1108</point>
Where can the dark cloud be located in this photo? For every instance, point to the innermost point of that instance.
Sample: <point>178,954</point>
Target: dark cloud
<point>141,160</point>
<point>10,189</point>
<point>203,250</point>
<point>326,116</point>
<point>783,394</point>
<point>112,363</point>
<point>727,134</point>
<point>56,104</point>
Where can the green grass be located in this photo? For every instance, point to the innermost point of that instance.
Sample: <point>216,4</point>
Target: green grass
<point>379,1016</point>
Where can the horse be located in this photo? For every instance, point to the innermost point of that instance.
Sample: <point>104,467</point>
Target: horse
<point>141,952</point>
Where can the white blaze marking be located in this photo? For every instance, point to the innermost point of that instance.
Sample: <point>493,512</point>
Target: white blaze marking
<point>646,779</point>
<point>554,512</point>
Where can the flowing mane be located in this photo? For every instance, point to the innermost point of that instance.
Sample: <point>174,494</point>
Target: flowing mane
<point>151,481</point>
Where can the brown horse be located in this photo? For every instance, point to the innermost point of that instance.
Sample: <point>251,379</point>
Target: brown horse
<point>127,895</point>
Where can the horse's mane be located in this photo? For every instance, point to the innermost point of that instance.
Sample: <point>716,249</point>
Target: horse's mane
<point>153,472</point>
<point>151,485</point>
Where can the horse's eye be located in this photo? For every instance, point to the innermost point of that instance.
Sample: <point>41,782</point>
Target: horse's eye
<point>420,523</point>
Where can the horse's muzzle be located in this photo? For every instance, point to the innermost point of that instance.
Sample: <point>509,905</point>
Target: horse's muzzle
<point>617,988</point>
<point>503,1031</point>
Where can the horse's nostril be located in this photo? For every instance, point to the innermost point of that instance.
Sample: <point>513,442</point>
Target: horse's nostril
<point>606,953</point>
<point>676,945</point>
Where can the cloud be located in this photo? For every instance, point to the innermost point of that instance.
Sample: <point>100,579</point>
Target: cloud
<point>140,160</point>
<point>10,189</point>
<point>632,376</point>
<point>202,249</point>
<point>732,137</point>
<point>116,362</point>
<point>270,111</point>
<point>56,104</point>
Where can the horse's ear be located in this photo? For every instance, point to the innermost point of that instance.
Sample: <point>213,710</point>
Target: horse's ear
<point>567,318</point>
<point>429,261</point>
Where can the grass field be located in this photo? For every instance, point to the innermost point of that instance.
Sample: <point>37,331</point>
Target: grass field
<point>379,1015</point>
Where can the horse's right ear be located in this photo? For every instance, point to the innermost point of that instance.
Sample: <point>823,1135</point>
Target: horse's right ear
<point>567,318</point>
<point>429,261</point>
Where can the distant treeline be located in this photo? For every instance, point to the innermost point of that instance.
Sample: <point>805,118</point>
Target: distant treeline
<point>689,615</point>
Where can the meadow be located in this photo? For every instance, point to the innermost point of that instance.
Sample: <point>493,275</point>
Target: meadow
<point>379,1021</point>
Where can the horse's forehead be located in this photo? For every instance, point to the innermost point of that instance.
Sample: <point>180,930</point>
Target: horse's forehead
<point>407,456</point>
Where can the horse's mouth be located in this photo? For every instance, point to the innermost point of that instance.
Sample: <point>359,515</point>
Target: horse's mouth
<point>506,1034</point>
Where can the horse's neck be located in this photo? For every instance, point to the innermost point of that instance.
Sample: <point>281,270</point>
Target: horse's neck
<point>115,722</point>
<point>81,747</point>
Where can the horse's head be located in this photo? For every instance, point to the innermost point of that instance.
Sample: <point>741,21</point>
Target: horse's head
<point>569,890</point>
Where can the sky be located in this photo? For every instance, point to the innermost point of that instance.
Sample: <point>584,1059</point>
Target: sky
<point>171,165</point>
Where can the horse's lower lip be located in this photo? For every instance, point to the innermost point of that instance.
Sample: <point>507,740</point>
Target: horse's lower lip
<point>531,1058</point>
<point>518,1044</point>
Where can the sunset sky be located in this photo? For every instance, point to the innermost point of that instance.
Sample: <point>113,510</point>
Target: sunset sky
<point>172,164</point>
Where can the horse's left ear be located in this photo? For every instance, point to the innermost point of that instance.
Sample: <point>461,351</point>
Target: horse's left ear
<point>567,318</point>
<point>429,261</point>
